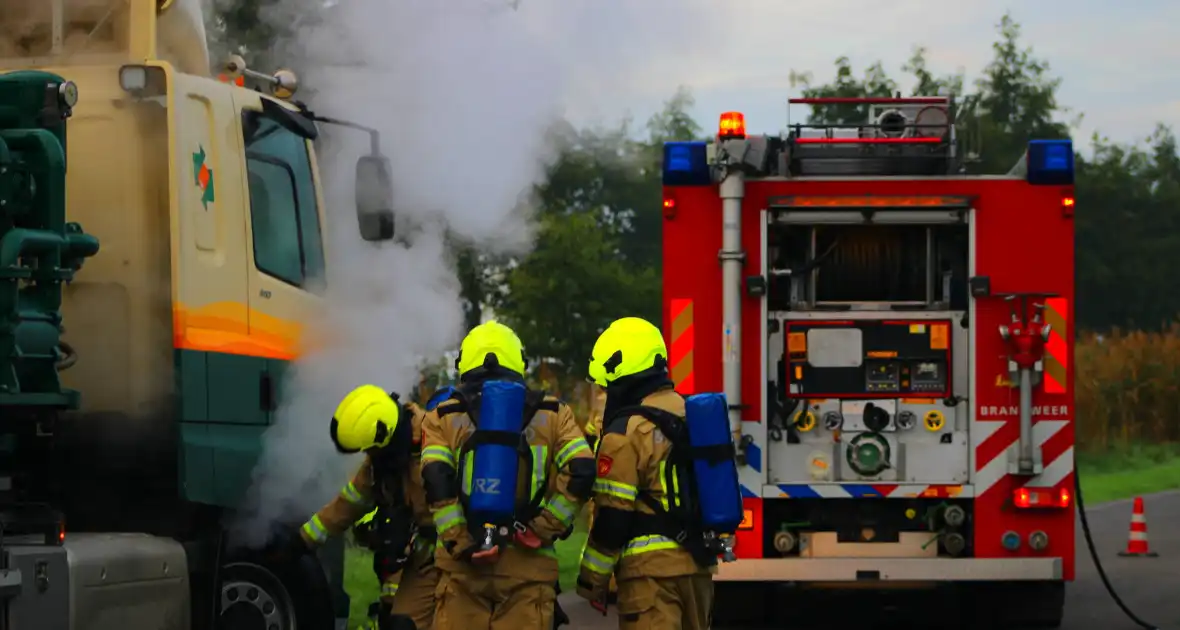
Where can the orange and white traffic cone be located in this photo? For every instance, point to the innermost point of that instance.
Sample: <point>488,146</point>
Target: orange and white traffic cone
<point>1137,543</point>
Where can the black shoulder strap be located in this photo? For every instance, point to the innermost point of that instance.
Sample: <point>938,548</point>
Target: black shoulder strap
<point>681,522</point>
<point>670,424</point>
<point>674,428</point>
<point>388,474</point>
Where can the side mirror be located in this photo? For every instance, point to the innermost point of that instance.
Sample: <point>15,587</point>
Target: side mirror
<point>374,198</point>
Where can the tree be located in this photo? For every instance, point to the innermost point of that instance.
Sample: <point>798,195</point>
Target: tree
<point>562,295</point>
<point>874,83</point>
<point>598,252</point>
<point>1016,101</point>
<point>927,84</point>
<point>1128,233</point>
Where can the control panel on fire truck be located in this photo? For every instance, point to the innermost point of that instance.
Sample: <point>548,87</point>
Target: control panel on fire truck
<point>868,358</point>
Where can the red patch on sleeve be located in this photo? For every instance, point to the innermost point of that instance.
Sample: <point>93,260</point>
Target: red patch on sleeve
<point>604,464</point>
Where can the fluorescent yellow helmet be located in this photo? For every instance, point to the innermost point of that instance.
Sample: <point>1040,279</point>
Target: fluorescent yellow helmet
<point>366,418</point>
<point>628,346</point>
<point>491,339</point>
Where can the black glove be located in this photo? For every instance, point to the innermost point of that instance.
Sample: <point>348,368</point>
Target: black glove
<point>364,534</point>
<point>559,616</point>
<point>386,563</point>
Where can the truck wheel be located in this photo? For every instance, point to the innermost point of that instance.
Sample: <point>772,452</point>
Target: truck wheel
<point>257,594</point>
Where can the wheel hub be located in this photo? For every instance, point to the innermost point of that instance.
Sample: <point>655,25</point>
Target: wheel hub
<point>248,606</point>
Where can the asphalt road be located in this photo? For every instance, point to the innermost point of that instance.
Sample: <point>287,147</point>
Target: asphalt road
<point>1149,586</point>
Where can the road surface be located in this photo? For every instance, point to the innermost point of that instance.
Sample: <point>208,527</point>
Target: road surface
<point>1149,586</point>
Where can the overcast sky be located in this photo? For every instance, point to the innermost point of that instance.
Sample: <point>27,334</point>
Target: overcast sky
<point>1120,60</point>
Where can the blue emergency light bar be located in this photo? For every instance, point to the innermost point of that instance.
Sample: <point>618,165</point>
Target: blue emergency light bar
<point>686,164</point>
<point>1050,163</point>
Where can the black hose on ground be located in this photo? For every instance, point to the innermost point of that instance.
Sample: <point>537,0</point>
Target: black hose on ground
<point>1077,483</point>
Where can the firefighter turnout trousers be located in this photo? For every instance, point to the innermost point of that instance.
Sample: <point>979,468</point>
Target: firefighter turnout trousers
<point>666,603</point>
<point>413,597</point>
<point>470,600</point>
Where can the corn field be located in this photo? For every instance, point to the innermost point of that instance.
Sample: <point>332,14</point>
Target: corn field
<point>1128,388</point>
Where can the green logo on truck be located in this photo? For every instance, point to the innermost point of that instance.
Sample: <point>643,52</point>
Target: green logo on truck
<point>203,177</point>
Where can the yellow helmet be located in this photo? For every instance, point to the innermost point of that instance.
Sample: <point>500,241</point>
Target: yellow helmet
<point>366,418</point>
<point>491,339</point>
<point>628,346</point>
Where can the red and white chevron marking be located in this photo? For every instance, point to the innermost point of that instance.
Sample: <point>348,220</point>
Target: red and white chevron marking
<point>991,440</point>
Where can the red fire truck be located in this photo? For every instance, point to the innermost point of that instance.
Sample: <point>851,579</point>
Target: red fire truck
<point>895,342</point>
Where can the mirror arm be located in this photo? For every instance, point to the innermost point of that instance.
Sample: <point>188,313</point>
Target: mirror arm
<point>374,135</point>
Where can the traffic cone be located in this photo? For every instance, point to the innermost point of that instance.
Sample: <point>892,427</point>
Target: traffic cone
<point>1137,543</point>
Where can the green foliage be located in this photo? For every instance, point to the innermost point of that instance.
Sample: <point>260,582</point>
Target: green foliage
<point>1128,234</point>
<point>598,252</point>
<point>1016,101</point>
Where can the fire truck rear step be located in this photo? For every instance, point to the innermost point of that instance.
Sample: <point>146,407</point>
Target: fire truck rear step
<point>818,570</point>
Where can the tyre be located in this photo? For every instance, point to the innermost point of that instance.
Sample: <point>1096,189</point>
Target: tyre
<point>264,593</point>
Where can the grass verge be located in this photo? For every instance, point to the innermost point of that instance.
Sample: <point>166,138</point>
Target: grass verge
<point>1128,471</point>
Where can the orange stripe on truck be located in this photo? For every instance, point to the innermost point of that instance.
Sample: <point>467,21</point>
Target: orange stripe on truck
<point>1056,349</point>
<point>233,328</point>
<point>681,351</point>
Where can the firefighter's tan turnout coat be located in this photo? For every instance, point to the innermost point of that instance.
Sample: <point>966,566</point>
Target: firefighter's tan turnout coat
<point>517,591</point>
<point>410,591</point>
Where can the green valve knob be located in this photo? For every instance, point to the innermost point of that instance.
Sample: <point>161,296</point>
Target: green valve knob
<point>868,454</point>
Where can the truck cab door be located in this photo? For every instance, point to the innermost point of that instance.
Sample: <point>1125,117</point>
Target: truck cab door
<point>215,358</point>
<point>284,244</point>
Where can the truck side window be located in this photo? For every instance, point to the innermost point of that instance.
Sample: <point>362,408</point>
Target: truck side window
<point>284,213</point>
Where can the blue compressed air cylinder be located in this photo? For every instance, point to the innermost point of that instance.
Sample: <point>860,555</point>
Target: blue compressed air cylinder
<point>494,466</point>
<point>719,492</point>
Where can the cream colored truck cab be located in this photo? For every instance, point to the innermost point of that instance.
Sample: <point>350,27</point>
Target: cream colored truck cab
<point>206,200</point>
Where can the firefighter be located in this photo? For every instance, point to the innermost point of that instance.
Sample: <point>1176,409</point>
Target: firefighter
<point>399,530</point>
<point>593,429</point>
<point>508,583</point>
<point>660,584</point>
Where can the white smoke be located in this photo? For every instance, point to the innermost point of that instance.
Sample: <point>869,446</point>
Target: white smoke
<point>463,93</point>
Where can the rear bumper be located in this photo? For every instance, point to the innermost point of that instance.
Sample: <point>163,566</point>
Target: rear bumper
<point>889,570</point>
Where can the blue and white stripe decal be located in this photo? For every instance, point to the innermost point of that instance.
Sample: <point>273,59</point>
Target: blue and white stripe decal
<point>866,491</point>
<point>751,476</point>
<point>754,457</point>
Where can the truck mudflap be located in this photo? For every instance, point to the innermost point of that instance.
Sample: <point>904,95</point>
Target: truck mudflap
<point>889,570</point>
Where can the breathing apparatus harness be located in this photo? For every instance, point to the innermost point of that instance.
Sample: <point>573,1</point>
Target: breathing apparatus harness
<point>392,529</point>
<point>466,399</point>
<point>680,521</point>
